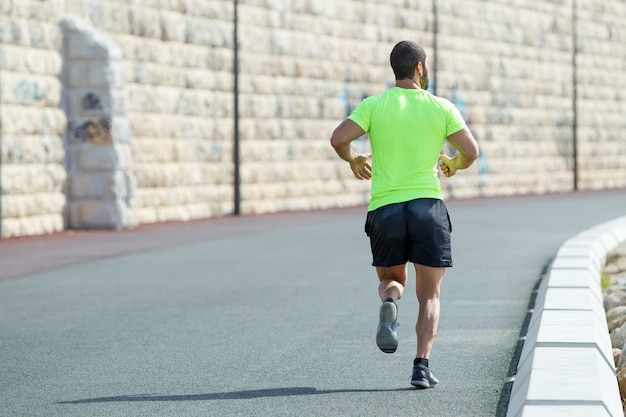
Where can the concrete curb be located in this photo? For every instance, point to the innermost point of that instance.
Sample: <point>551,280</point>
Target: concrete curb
<point>566,366</point>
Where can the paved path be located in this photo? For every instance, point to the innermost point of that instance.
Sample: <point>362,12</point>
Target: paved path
<point>267,316</point>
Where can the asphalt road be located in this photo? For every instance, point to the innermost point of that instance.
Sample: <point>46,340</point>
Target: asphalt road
<point>269,315</point>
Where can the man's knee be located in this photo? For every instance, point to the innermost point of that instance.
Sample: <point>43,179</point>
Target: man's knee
<point>395,273</point>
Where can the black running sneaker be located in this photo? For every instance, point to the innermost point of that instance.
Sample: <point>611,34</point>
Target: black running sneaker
<point>386,336</point>
<point>423,377</point>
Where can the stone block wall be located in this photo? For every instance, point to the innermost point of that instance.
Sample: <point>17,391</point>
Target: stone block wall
<point>177,66</point>
<point>168,96</point>
<point>601,76</point>
<point>32,169</point>
<point>511,64</point>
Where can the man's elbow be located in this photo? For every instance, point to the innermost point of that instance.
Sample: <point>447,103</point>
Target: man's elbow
<point>335,140</point>
<point>471,150</point>
<point>473,154</point>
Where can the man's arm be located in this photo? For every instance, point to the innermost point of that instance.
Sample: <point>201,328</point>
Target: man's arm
<point>463,141</point>
<point>342,136</point>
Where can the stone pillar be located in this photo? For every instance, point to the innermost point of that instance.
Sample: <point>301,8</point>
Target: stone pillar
<point>99,156</point>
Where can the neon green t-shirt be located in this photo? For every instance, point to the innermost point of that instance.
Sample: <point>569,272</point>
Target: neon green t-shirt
<point>407,130</point>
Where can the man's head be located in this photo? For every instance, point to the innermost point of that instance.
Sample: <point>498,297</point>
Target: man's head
<point>404,59</point>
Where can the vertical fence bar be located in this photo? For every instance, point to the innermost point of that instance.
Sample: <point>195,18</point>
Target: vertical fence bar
<point>575,92</point>
<point>236,157</point>
<point>1,191</point>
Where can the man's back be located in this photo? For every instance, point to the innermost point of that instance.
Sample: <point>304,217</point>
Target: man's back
<point>407,130</point>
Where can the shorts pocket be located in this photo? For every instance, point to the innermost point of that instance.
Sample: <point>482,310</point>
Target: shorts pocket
<point>368,224</point>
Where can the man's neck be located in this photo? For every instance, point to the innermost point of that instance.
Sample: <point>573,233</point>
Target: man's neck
<point>408,84</point>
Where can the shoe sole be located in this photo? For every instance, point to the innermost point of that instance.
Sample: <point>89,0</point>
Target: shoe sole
<point>421,384</point>
<point>429,382</point>
<point>386,337</point>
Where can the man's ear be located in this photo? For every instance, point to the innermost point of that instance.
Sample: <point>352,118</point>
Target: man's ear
<point>419,69</point>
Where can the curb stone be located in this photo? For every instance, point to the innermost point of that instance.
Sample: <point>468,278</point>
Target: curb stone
<point>566,365</point>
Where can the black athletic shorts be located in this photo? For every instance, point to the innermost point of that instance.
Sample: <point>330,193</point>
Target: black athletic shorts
<point>415,231</point>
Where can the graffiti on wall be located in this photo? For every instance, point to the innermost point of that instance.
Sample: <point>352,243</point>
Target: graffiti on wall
<point>29,91</point>
<point>91,102</point>
<point>359,144</point>
<point>93,131</point>
<point>483,165</point>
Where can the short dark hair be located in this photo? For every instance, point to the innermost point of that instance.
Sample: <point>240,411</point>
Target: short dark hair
<point>404,57</point>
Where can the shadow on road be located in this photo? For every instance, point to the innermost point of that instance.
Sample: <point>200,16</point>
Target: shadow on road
<point>234,395</point>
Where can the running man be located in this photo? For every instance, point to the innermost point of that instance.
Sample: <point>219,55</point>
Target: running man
<point>407,220</point>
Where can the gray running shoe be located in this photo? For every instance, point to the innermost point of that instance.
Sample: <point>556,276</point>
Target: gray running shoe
<point>423,377</point>
<point>386,336</point>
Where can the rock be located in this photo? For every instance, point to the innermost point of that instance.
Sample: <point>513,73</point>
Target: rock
<point>616,356</point>
<point>617,323</point>
<point>618,337</point>
<point>615,312</point>
<point>616,317</point>
<point>621,361</point>
<point>621,380</point>
<point>614,297</point>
